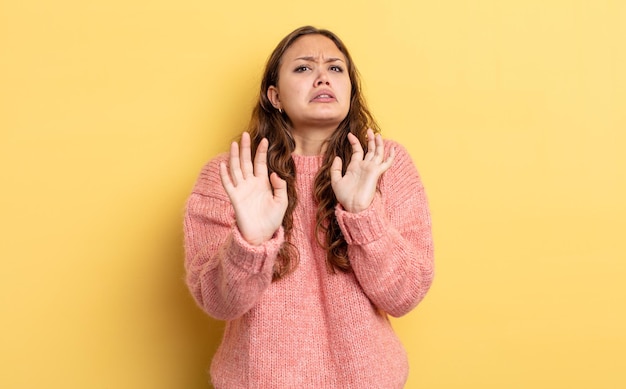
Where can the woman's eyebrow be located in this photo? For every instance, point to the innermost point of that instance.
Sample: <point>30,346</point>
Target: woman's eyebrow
<point>314,59</point>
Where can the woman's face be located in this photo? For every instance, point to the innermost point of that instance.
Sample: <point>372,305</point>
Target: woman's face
<point>313,83</point>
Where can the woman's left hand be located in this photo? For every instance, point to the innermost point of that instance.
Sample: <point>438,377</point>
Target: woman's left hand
<point>356,189</point>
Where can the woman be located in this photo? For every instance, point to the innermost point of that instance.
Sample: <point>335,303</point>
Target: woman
<point>309,233</point>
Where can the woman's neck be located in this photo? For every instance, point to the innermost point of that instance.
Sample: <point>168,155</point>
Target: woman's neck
<point>311,141</point>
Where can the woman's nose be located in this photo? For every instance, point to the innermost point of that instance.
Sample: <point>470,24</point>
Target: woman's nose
<point>322,78</point>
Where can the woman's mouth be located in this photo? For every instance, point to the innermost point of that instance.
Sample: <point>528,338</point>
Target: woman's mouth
<point>323,96</point>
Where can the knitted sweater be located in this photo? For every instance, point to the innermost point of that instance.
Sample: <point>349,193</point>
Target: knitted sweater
<point>313,328</point>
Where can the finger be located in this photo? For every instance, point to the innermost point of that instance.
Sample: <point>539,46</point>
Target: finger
<point>357,150</point>
<point>389,161</point>
<point>335,170</point>
<point>246,156</point>
<point>226,182</point>
<point>260,159</point>
<point>235,169</point>
<point>371,145</point>
<point>380,148</point>
<point>280,188</point>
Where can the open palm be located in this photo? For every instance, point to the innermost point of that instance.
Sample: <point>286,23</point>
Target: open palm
<point>355,190</point>
<point>259,201</point>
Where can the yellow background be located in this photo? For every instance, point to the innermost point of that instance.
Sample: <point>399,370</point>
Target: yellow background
<point>514,112</point>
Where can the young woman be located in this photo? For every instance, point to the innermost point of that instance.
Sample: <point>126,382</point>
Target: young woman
<point>309,232</point>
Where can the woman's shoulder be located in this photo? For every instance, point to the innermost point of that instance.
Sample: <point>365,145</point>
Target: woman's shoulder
<point>403,171</point>
<point>402,154</point>
<point>209,182</point>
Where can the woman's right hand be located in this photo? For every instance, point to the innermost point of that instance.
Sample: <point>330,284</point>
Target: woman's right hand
<point>259,201</point>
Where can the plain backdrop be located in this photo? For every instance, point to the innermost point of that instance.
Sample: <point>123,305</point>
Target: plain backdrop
<point>513,111</point>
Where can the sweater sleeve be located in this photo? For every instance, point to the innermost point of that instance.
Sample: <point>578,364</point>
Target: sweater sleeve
<point>225,274</point>
<point>390,243</point>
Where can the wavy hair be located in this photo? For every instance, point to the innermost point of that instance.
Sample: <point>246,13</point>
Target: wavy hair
<point>268,122</point>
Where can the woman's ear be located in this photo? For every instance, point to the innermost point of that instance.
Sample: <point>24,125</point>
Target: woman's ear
<point>272,95</point>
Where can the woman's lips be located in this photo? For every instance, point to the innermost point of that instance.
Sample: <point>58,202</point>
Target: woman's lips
<point>323,96</point>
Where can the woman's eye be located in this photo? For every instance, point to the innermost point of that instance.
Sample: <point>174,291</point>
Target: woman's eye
<point>337,69</point>
<point>301,69</point>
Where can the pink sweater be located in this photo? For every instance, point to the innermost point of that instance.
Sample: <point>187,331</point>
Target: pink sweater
<point>311,329</point>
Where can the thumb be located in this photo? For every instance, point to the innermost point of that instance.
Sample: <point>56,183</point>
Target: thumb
<point>280,187</point>
<point>335,170</point>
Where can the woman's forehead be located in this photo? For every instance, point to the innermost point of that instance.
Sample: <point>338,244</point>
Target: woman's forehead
<point>313,47</point>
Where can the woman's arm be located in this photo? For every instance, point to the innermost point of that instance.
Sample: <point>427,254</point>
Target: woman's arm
<point>225,274</point>
<point>390,243</point>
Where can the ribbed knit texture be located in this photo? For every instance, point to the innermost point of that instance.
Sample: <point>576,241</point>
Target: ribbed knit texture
<point>313,328</point>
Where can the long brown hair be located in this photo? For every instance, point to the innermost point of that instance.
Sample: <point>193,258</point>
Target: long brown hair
<point>268,122</point>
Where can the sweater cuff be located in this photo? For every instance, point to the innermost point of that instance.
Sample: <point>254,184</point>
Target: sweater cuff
<point>255,259</point>
<point>362,227</point>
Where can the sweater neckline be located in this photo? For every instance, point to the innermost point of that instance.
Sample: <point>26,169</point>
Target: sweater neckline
<point>307,163</point>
